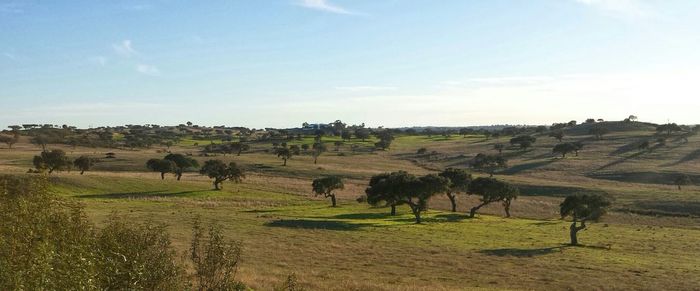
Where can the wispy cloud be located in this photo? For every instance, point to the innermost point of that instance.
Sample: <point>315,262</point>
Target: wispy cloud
<point>365,88</point>
<point>620,8</point>
<point>10,56</point>
<point>125,49</point>
<point>326,6</point>
<point>148,70</point>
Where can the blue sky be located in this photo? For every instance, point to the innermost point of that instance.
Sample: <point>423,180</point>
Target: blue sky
<point>279,63</point>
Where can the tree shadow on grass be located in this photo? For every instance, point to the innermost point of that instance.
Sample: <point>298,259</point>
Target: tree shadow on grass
<point>450,217</point>
<point>316,224</point>
<point>523,253</point>
<point>527,166</point>
<point>694,155</point>
<point>373,215</point>
<point>140,195</point>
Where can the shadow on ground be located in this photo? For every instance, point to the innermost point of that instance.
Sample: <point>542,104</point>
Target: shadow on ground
<point>555,191</point>
<point>316,224</point>
<point>141,195</point>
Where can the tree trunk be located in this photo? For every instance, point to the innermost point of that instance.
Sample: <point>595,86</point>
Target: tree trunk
<point>507,208</point>
<point>179,175</point>
<point>393,210</point>
<point>416,212</point>
<point>573,230</point>
<point>453,201</point>
<point>315,160</point>
<point>162,175</point>
<point>679,187</point>
<point>472,212</point>
<point>82,172</point>
<point>285,162</point>
<point>216,185</point>
<point>333,200</point>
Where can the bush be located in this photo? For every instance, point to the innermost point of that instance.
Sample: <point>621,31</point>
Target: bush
<point>215,260</point>
<point>291,284</point>
<point>137,256</point>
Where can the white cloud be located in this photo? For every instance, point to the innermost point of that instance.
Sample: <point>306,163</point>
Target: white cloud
<point>621,8</point>
<point>125,49</point>
<point>365,88</point>
<point>148,70</point>
<point>324,5</point>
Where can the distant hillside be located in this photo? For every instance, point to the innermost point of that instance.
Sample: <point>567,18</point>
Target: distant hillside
<point>611,126</point>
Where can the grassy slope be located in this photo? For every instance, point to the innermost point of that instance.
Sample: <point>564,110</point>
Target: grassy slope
<point>285,230</point>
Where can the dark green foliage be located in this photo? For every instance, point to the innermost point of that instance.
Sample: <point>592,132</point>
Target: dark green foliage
<point>362,133</point>
<point>499,147</point>
<point>557,134</point>
<point>54,160</point>
<point>403,188</point>
<point>598,131</point>
<point>162,166</point>
<point>492,190</point>
<point>669,128</point>
<point>215,260</point>
<point>326,185</point>
<point>220,172</point>
<point>317,149</point>
<point>182,163</point>
<point>9,140</point>
<point>284,153</point>
<point>524,141</point>
<point>385,139</point>
<point>682,180</point>
<point>421,151</point>
<point>83,163</point>
<point>643,146</point>
<point>582,208</point>
<point>239,147</point>
<point>488,163</point>
<point>458,182</point>
<point>564,148</point>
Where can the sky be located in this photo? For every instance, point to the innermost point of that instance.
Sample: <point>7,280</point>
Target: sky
<point>394,63</point>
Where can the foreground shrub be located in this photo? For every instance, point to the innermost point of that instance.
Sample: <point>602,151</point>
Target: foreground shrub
<point>45,243</point>
<point>215,259</point>
<point>137,257</point>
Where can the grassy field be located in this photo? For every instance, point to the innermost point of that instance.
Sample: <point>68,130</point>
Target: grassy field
<point>648,241</point>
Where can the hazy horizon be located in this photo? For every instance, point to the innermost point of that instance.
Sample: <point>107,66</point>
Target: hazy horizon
<point>385,63</point>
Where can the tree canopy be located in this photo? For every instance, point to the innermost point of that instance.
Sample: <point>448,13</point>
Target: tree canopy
<point>55,160</point>
<point>582,208</point>
<point>83,163</point>
<point>326,185</point>
<point>459,181</point>
<point>488,163</point>
<point>162,166</point>
<point>182,163</point>
<point>220,172</point>
<point>492,190</point>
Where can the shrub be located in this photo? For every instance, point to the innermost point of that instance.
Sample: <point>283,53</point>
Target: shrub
<point>215,260</point>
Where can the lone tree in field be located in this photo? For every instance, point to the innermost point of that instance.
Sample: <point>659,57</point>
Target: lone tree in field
<point>488,163</point>
<point>564,149</point>
<point>284,153</point>
<point>459,182</point>
<point>524,141</point>
<point>499,147</point>
<point>161,166</point>
<point>492,190</point>
<point>182,163</point>
<point>557,134</point>
<point>669,128</point>
<point>10,140</point>
<point>362,134</point>
<point>326,185</point>
<point>220,172</point>
<point>582,208</point>
<point>54,160</point>
<point>83,163</point>
<point>317,149</point>
<point>239,147</point>
<point>382,188</point>
<point>598,132</point>
<point>682,180</point>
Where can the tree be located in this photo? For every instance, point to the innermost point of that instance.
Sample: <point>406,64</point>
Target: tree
<point>598,131</point>
<point>499,147</point>
<point>239,147</point>
<point>582,208</point>
<point>419,192</point>
<point>488,163</point>
<point>557,134</point>
<point>182,163</point>
<point>564,149</point>
<point>326,185</point>
<point>524,141</point>
<point>492,190</point>
<point>382,187</point>
<point>162,166</point>
<point>362,133</point>
<point>459,182</point>
<point>682,180</point>
<point>338,144</point>
<point>643,146</point>
<point>220,172</point>
<point>385,139</point>
<point>54,160</point>
<point>346,134</point>
<point>632,118</point>
<point>317,149</point>
<point>10,140</point>
<point>284,153</point>
<point>668,128</point>
<point>83,163</point>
